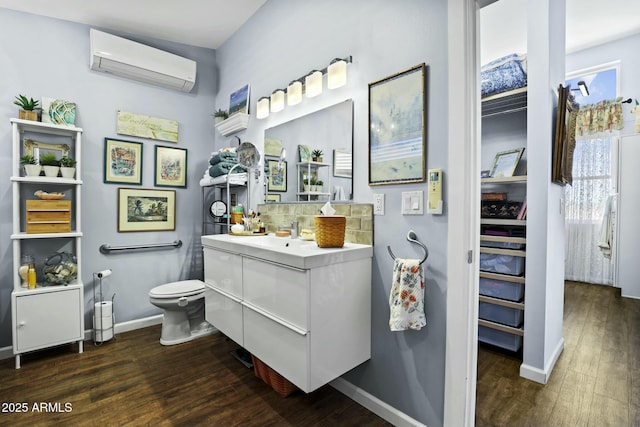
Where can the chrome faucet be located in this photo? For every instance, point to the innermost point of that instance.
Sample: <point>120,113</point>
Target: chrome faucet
<point>294,230</point>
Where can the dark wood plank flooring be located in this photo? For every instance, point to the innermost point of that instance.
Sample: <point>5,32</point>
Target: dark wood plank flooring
<point>596,381</point>
<point>135,381</point>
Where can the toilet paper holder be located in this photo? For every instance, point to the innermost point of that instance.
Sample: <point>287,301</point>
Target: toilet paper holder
<point>104,327</point>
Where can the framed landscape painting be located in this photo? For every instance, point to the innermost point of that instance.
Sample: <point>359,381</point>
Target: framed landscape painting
<point>171,167</point>
<point>397,128</point>
<point>146,210</point>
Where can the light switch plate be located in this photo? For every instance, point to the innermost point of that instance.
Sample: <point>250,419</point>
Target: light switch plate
<point>412,203</point>
<point>378,203</point>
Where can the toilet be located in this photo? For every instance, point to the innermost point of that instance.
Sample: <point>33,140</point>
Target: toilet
<point>183,305</point>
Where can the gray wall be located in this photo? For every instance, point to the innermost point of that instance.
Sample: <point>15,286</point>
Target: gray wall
<point>284,41</point>
<point>51,59</point>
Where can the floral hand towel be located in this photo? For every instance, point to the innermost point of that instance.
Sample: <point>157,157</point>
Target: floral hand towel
<point>406,300</point>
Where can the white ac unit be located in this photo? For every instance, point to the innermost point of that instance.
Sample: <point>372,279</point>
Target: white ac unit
<point>126,58</point>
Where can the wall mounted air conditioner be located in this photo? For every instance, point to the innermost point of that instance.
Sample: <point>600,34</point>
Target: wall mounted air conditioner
<point>140,62</point>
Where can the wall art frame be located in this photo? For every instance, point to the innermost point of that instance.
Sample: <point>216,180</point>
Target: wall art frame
<point>398,128</point>
<point>122,161</point>
<point>170,167</point>
<point>239,101</point>
<point>505,163</point>
<point>277,176</point>
<point>143,126</point>
<point>142,209</point>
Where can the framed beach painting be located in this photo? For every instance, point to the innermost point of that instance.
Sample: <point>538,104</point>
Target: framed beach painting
<point>171,167</point>
<point>142,209</point>
<point>397,128</point>
<point>239,101</point>
<point>122,161</point>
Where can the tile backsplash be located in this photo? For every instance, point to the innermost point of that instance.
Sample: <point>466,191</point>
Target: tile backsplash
<point>359,218</point>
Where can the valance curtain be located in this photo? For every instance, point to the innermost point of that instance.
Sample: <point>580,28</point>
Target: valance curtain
<point>601,117</point>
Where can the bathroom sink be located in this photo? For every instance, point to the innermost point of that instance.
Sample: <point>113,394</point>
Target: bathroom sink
<point>285,250</point>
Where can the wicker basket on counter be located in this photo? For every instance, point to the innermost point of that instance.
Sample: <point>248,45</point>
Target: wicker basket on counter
<point>277,382</point>
<point>330,230</point>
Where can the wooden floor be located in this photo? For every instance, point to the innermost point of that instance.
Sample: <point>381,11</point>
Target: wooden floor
<point>596,381</point>
<point>134,381</point>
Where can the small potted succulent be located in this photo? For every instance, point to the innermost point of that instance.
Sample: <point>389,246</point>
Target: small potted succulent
<point>31,166</point>
<point>28,108</point>
<point>317,155</point>
<point>305,184</point>
<point>319,184</point>
<point>50,164</point>
<point>67,167</point>
<point>220,115</point>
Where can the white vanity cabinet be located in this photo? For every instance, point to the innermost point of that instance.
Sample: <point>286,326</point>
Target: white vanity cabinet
<point>311,325</point>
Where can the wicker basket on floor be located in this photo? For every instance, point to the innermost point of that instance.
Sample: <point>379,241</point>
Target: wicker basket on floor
<point>277,382</point>
<point>330,230</point>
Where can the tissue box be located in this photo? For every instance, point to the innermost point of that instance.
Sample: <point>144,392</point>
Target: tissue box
<point>330,230</point>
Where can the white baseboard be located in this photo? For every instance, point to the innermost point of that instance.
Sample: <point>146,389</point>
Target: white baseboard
<point>375,405</point>
<point>538,375</point>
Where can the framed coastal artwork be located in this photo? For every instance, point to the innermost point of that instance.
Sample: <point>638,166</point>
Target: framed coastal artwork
<point>142,209</point>
<point>397,128</point>
<point>170,167</point>
<point>277,176</point>
<point>239,101</point>
<point>122,161</point>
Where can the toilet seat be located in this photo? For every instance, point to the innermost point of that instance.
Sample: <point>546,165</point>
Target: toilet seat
<point>184,288</point>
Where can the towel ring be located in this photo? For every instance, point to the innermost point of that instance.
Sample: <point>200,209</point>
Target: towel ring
<point>411,236</point>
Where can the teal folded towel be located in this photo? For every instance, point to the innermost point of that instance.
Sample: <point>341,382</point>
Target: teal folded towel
<point>223,168</point>
<point>223,157</point>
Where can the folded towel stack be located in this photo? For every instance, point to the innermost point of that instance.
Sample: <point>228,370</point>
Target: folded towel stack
<point>223,168</point>
<point>223,156</point>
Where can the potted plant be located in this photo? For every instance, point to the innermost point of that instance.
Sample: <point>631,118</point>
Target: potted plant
<point>305,184</point>
<point>67,167</point>
<point>317,155</point>
<point>50,164</point>
<point>220,115</point>
<point>312,183</point>
<point>28,108</point>
<point>319,184</point>
<point>31,166</point>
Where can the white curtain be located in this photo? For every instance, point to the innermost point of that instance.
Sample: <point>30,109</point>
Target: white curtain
<point>585,200</point>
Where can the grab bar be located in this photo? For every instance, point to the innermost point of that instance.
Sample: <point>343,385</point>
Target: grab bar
<point>411,236</point>
<point>106,249</point>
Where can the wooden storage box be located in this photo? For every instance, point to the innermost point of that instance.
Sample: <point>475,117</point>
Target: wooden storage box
<point>48,216</point>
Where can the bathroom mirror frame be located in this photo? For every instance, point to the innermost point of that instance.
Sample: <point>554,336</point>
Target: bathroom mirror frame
<point>329,129</point>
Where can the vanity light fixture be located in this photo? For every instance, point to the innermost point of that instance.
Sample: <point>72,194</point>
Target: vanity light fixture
<point>313,83</point>
<point>310,85</point>
<point>262,110</point>
<point>337,73</point>
<point>277,100</point>
<point>294,92</point>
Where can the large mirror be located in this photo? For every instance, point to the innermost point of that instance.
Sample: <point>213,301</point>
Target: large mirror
<point>329,130</point>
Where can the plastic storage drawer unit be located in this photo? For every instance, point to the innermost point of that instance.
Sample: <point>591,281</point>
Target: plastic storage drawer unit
<point>499,314</point>
<point>500,339</point>
<point>502,245</point>
<point>501,289</point>
<point>505,264</point>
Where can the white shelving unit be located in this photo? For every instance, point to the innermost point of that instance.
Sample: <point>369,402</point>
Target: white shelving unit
<point>509,333</point>
<point>46,316</point>
<point>320,171</point>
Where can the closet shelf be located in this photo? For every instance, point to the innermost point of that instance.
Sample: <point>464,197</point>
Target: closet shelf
<point>503,277</point>
<point>502,239</point>
<point>493,221</point>
<point>505,180</point>
<point>501,327</point>
<point>505,103</point>
<point>502,302</point>
<point>500,251</point>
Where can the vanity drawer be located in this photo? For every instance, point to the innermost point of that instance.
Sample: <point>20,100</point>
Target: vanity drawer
<point>282,348</point>
<point>224,313</point>
<point>276,289</point>
<point>223,270</point>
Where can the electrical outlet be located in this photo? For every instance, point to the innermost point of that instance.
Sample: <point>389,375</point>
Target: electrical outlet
<point>378,203</point>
